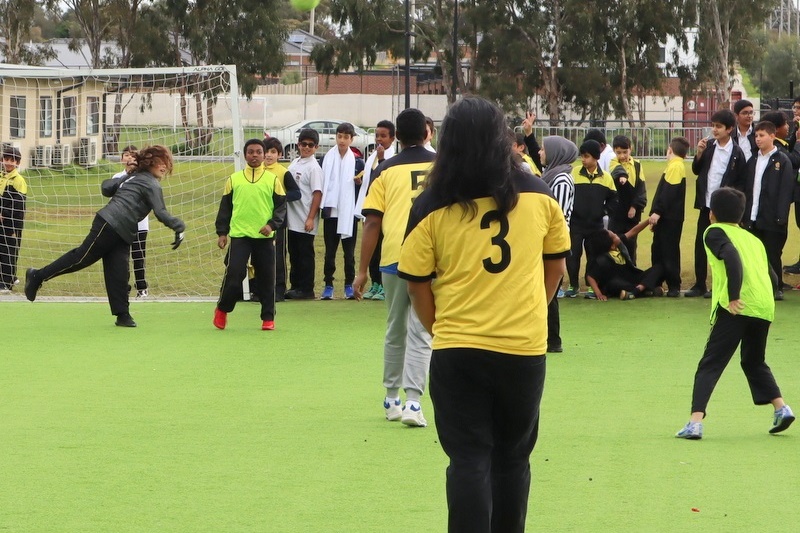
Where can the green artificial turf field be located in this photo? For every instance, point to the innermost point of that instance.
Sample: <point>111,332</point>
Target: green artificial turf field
<point>176,426</point>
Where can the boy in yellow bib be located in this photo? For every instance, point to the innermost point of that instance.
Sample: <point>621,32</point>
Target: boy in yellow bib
<point>742,310</point>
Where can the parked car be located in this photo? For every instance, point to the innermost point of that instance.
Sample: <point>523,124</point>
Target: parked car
<point>287,135</point>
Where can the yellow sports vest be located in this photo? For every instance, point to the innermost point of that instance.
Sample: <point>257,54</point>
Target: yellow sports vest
<point>756,293</point>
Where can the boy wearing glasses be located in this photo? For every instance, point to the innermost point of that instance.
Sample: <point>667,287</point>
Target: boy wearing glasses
<point>302,217</point>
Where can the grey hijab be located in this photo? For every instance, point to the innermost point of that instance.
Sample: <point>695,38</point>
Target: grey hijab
<point>560,154</point>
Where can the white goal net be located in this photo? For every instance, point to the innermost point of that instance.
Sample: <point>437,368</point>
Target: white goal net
<point>70,127</point>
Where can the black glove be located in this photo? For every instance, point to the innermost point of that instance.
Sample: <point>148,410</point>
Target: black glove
<point>178,240</point>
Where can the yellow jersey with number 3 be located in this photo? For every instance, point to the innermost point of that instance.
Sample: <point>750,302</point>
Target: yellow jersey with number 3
<point>487,270</point>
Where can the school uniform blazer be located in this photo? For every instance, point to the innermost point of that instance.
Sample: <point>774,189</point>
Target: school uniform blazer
<point>793,154</point>
<point>750,137</point>
<point>777,186</point>
<point>734,176</point>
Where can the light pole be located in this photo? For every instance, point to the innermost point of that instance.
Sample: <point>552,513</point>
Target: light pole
<point>304,78</point>
<point>456,65</point>
<point>408,54</point>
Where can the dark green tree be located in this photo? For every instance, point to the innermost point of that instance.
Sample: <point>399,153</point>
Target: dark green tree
<point>725,32</point>
<point>777,68</point>
<point>366,27</point>
<point>16,24</point>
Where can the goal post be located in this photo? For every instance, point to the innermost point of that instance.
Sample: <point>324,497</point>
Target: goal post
<point>70,127</point>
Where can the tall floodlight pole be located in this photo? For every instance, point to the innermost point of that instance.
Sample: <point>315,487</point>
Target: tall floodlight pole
<point>456,62</point>
<point>408,54</point>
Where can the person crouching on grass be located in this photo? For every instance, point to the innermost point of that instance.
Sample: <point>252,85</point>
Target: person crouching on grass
<point>483,228</point>
<point>742,309</point>
<point>114,229</point>
<point>253,206</point>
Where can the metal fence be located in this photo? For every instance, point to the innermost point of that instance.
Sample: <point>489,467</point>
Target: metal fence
<point>647,142</point>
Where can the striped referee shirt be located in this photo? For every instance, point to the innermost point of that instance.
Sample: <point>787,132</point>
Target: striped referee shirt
<point>564,191</point>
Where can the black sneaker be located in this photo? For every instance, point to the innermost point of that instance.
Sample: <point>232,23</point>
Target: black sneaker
<point>554,348</point>
<point>792,269</point>
<point>673,293</point>
<point>125,320</point>
<point>694,292</point>
<point>32,283</point>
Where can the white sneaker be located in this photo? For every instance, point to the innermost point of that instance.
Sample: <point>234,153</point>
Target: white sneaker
<point>142,294</point>
<point>412,416</point>
<point>393,409</point>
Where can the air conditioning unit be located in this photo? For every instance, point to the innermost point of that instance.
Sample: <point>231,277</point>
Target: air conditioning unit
<point>87,152</point>
<point>42,156</point>
<point>62,155</point>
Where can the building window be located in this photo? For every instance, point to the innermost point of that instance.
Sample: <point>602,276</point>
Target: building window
<point>17,115</point>
<point>93,115</point>
<point>70,123</point>
<point>45,116</point>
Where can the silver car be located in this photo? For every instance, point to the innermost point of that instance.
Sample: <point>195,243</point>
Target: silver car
<point>287,135</point>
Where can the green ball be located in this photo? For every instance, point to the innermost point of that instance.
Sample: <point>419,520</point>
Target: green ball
<point>305,5</point>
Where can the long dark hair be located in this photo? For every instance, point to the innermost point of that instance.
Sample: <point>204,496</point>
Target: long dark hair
<point>473,157</point>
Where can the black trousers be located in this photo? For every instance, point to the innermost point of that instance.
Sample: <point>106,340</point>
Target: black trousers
<point>375,262</point>
<point>773,242</point>
<point>262,253</point>
<point>700,259</point>
<point>332,239</point>
<point>280,261</point>
<point>139,254</point>
<point>726,334</point>
<point>489,444</point>
<point>554,321</point>
<point>104,243</point>
<point>301,261</point>
<point>649,279</point>
<point>9,254</point>
<point>578,238</point>
<point>666,251</point>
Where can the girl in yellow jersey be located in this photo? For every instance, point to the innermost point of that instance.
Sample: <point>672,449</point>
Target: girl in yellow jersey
<point>483,254</point>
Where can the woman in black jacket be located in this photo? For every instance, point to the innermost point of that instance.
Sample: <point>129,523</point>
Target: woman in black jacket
<point>114,229</point>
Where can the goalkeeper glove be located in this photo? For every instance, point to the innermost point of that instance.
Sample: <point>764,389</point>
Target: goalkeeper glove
<point>178,240</point>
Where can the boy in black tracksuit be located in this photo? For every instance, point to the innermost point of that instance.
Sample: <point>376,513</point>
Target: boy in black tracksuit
<point>632,195</point>
<point>613,272</point>
<point>666,216</point>
<point>770,182</point>
<point>595,197</point>
<point>723,123</point>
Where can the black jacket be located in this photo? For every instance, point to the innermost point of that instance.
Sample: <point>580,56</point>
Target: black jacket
<point>777,186</point>
<point>734,175</point>
<point>750,137</point>
<point>533,150</point>
<point>132,198</point>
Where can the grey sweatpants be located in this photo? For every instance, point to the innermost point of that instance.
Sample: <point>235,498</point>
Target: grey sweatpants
<point>407,347</point>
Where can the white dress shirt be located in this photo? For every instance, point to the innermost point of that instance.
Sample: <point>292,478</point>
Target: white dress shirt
<point>719,163</point>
